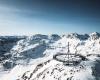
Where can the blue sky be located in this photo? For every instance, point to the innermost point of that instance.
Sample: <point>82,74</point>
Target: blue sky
<point>24,17</point>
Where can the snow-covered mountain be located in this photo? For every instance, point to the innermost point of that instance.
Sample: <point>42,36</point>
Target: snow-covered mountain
<point>31,58</point>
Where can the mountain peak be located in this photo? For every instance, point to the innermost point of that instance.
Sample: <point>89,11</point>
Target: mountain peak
<point>94,35</point>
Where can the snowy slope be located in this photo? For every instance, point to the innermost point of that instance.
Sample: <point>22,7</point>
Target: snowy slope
<point>31,47</point>
<point>33,58</point>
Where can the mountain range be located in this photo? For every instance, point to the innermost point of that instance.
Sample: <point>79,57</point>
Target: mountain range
<point>31,57</point>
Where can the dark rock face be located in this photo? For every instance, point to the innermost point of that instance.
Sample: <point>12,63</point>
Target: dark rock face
<point>55,37</point>
<point>95,36</point>
<point>34,52</point>
<point>8,65</point>
<point>6,44</point>
<point>78,36</point>
<point>92,36</point>
<point>96,70</point>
